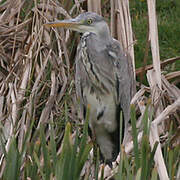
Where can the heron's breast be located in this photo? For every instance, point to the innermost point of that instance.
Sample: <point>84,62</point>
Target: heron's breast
<point>102,110</point>
<point>98,69</point>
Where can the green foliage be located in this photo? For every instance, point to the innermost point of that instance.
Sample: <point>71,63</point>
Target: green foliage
<point>12,168</point>
<point>141,165</point>
<point>134,135</point>
<point>168,27</point>
<point>40,160</point>
<point>38,157</point>
<point>71,160</point>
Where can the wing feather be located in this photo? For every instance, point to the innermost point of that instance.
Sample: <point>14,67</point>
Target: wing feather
<point>125,78</point>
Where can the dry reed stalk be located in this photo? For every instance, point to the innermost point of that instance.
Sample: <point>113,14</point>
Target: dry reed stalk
<point>40,74</point>
<point>77,6</point>
<point>154,136</point>
<point>153,32</point>
<point>94,6</point>
<point>163,64</point>
<point>158,157</point>
<point>167,111</point>
<point>11,9</point>
<point>51,100</point>
<point>154,79</point>
<point>62,70</point>
<point>113,18</point>
<point>173,75</point>
<point>138,95</point>
<point>54,8</point>
<point>1,106</point>
<point>120,12</point>
<point>155,91</point>
<point>172,90</point>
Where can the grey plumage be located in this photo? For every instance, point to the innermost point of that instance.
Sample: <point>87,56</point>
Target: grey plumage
<point>104,80</point>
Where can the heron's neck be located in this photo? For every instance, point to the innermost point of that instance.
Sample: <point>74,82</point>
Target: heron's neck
<point>100,38</point>
<point>103,34</point>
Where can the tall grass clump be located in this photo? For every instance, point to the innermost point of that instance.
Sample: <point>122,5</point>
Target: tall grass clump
<point>40,159</point>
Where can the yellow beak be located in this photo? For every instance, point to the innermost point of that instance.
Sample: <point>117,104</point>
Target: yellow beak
<point>70,24</point>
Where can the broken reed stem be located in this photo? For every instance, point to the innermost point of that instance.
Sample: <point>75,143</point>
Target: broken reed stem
<point>153,32</point>
<point>169,110</point>
<point>163,64</point>
<point>158,157</point>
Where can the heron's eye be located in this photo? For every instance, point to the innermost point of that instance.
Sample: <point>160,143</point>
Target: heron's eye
<point>89,21</point>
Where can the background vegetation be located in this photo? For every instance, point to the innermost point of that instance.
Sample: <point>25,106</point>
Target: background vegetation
<point>41,135</point>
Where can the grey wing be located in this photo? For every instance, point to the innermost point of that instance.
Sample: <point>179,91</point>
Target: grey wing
<point>126,82</point>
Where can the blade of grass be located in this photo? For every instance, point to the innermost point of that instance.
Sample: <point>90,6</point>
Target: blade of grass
<point>151,159</point>
<point>138,175</point>
<point>3,145</point>
<point>134,135</point>
<point>84,149</point>
<point>12,168</point>
<point>45,153</point>
<point>144,153</point>
<point>39,166</point>
<point>65,168</point>
<point>145,148</point>
<point>170,163</point>
<point>66,153</point>
<point>97,165</point>
<point>84,157</point>
<point>53,146</point>
<point>167,145</point>
<point>102,173</point>
<point>73,158</point>
<point>128,168</point>
<point>120,168</point>
<point>25,141</point>
<point>145,122</point>
<point>154,174</point>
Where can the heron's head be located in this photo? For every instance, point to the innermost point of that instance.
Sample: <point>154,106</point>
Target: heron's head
<point>85,22</point>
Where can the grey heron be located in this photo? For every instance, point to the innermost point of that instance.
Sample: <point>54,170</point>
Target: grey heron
<point>103,79</point>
